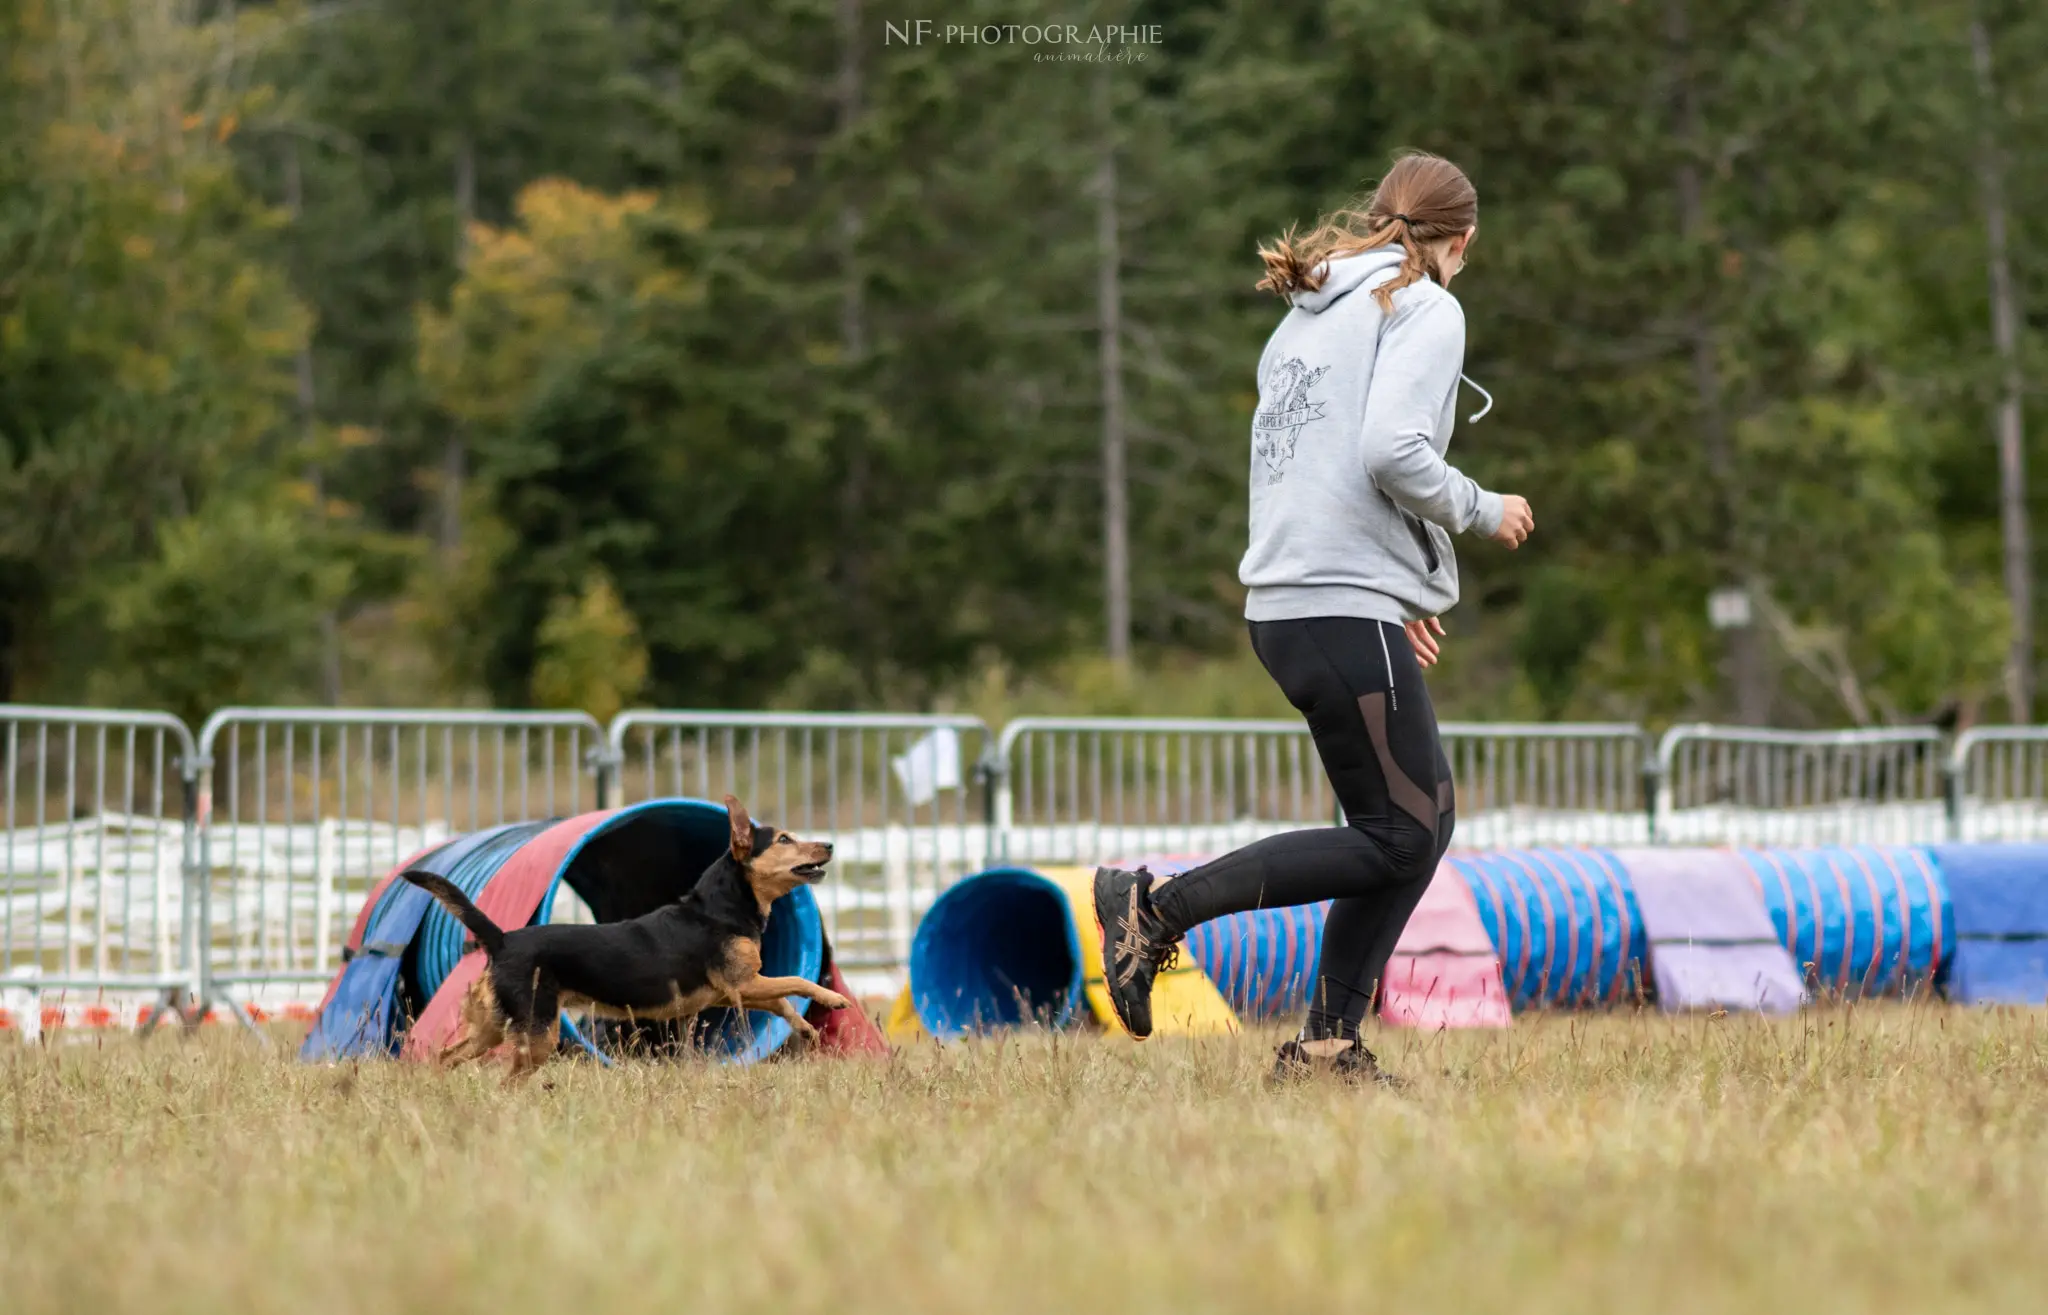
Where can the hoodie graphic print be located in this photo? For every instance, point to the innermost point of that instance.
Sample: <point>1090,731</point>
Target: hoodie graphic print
<point>1277,428</point>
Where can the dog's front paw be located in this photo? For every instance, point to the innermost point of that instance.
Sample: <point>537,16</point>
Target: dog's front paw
<point>833,1000</point>
<point>803,1034</point>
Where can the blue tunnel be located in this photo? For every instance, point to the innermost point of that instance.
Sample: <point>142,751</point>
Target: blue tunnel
<point>998,949</point>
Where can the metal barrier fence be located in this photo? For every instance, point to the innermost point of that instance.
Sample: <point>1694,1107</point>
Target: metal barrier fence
<point>903,799</point>
<point>1998,784</point>
<point>138,861</point>
<point>1568,784</point>
<point>1085,790</point>
<point>302,810</point>
<point>1090,789</point>
<point>1738,785</point>
<point>97,840</point>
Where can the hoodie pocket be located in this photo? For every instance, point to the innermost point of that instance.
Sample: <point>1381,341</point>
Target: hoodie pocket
<point>1423,541</point>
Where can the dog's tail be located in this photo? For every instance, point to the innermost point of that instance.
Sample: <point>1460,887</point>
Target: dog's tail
<point>450,897</point>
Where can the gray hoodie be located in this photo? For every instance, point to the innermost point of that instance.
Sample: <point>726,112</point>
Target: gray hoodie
<point>1353,504</point>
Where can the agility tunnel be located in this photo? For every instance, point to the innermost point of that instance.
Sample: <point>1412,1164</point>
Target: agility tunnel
<point>1861,920</point>
<point>1582,927</point>
<point>1014,946</point>
<point>999,949</point>
<point>1494,932</point>
<point>1711,941</point>
<point>1716,929</point>
<point>1999,894</point>
<point>405,957</point>
<point>1563,921</point>
<point>1445,972</point>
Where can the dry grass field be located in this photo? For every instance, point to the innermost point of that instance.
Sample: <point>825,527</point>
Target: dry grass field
<point>1873,1160</point>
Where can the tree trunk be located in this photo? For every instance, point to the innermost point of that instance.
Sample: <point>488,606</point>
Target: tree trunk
<point>330,626</point>
<point>1116,552</point>
<point>852,319</point>
<point>454,459</point>
<point>853,347</point>
<point>2010,425</point>
<point>1747,672</point>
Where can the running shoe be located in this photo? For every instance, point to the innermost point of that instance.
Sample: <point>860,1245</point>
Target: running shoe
<point>1135,944</point>
<point>1294,1062</point>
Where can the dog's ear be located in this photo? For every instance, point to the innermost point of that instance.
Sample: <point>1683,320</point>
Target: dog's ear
<point>742,829</point>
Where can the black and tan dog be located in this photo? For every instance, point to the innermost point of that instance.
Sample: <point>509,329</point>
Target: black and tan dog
<point>697,953</point>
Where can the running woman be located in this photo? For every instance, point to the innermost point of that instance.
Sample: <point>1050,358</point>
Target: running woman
<point>1349,567</point>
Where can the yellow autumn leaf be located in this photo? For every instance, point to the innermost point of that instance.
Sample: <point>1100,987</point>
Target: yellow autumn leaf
<point>525,299</point>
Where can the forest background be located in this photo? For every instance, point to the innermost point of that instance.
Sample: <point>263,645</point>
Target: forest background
<point>788,354</point>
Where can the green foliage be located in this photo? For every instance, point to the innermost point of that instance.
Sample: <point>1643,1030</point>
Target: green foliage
<point>1162,685</point>
<point>767,348</point>
<point>144,370</point>
<point>1562,617</point>
<point>401,120</point>
<point>227,612</point>
<point>589,653</point>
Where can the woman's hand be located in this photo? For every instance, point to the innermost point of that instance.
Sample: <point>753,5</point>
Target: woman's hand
<point>1422,641</point>
<point>1517,522</point>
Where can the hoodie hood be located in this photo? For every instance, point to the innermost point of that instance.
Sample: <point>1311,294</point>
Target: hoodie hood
<point>1347,274</point>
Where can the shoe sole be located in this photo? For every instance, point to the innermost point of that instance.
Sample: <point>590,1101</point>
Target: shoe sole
<point>1102,939</point>
<point>1387,1082</point>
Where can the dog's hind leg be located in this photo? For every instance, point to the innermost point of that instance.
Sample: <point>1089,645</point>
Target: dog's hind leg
<point>538,1032</point>
<point>483,1028</point>
<point>532,1048</point>
<point>473,1046</point>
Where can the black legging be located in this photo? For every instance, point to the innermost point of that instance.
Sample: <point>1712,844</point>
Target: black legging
<point>1360,687</point>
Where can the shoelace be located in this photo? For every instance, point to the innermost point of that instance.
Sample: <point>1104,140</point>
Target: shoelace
<point>1134,945</point>
<point>1358,1057</point>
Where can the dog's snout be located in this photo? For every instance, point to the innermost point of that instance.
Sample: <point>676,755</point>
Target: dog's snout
<point>826,845</point>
